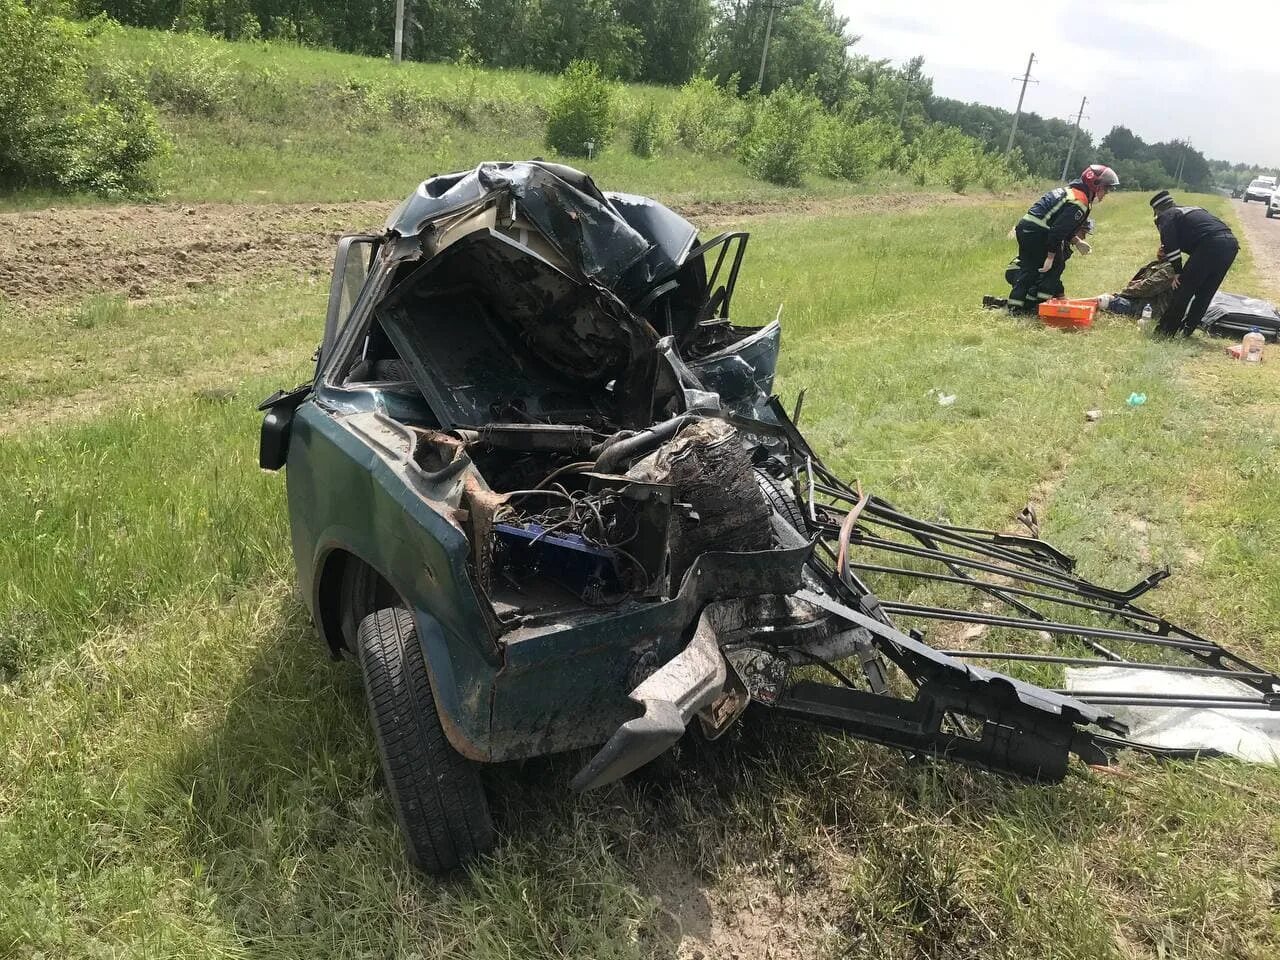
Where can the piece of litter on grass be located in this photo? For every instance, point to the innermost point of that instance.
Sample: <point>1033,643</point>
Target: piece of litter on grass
<point>1093,415</point>
<point>1136,399</point>
<point>946,399</point>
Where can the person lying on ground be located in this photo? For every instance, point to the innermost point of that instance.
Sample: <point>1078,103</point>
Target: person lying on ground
<point>1151,285</point>
<point>1046,228</point>
<point>1210,248</point>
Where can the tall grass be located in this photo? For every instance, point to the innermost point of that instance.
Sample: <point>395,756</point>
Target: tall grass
<point>185,774</point>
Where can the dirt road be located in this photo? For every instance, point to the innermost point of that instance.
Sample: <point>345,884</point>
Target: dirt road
<point>1262,236</point>
<point>62,254</point>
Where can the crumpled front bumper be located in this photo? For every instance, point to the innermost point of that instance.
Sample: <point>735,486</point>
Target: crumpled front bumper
<point>961,712</point>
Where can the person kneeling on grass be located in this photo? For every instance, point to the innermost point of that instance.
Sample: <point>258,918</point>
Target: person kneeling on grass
<point>1045,229</point>
<point>1051,280</point>
<point>1151,285</point>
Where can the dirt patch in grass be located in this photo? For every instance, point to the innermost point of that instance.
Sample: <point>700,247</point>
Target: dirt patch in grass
<point>60,254</point>
<point>743,917</point>
<point>64,253</point>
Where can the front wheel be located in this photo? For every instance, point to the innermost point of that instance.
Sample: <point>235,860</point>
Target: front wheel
<point>437,794</point>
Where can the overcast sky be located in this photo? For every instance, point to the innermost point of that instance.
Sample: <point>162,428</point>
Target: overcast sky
<point>1205,71</point>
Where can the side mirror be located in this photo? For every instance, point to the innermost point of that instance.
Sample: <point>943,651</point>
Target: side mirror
<point>273,443</point>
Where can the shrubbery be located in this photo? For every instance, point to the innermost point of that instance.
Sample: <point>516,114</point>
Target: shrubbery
<point>648,130</point>
<point>582,110</point>
<point>189,75</point>
<point>781,136</point>
<point>67,125</point>
<point>777,147</point>
<point>710,118</point>
<point>848,150</point>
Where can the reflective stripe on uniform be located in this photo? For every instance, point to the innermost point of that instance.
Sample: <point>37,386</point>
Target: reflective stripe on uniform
<point>1068,197</point>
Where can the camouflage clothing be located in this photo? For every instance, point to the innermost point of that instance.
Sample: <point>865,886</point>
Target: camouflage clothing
<point>1153,283</point>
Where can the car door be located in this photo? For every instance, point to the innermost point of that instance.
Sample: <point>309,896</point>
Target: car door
<point>350,271</point>
<point>351,266</point>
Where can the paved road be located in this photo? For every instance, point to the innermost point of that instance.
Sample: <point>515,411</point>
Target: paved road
<point>1263,238</point>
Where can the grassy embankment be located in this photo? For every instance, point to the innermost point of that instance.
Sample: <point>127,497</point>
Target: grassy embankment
<point>184,773</point>
<point>291,123</point>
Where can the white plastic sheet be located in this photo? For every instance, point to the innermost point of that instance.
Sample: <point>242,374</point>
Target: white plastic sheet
<point>1252,735</point>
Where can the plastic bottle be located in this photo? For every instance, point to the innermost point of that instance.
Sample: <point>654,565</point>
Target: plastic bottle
<point>1146,313</point>
<point>1251,346</point>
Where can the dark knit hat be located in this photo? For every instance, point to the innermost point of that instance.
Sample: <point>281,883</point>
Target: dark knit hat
<point>1161,200</point>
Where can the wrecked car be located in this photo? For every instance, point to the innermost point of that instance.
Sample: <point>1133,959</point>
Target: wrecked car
<point>540,486</point>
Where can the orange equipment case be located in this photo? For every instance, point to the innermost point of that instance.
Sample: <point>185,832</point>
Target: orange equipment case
<point>1068,314</point>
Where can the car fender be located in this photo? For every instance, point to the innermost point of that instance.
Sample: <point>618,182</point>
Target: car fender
<point>461,681</point>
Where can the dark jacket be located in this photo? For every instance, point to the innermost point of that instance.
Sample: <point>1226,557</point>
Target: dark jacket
<point>1182,229</point>
<point>1060,213</point>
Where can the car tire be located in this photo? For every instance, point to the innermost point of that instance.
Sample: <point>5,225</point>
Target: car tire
<point>778,497</point>
<point>436,792</point>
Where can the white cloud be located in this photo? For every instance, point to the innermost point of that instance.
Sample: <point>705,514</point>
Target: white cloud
<point>1163,68</point>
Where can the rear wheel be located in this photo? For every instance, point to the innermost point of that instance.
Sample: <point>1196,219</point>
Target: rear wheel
<point>437,794</point>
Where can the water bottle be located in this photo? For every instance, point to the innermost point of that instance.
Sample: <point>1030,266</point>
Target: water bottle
<point>1251,346</point>
<point>1146,315</point>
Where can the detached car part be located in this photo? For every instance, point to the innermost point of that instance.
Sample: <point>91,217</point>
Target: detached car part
<point>540,487</point>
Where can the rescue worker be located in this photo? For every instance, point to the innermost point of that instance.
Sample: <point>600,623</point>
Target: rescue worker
<point>1045,229</point>
<point>1051,280</point>
<point>1210,248</point>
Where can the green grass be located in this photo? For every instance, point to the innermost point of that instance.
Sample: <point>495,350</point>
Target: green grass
<point>304,124</point>
<point>184,773</point>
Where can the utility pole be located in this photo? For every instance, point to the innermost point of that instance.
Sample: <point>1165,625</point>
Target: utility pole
<point>1025,78</point>
<point>773,6</point>
<point>1074,130</point>
<point>398,48</point>
<point>1182,160</point>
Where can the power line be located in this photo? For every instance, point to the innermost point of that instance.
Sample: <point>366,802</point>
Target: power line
<point>1025,78</point>
<point>1074,130</point>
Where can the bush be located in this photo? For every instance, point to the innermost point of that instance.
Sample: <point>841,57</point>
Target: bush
<point>845,150</point>
<point>189,75</point>
<point>583,109</point>
<point>67,126</point>
<point>958,168</point>
<point>995,171</point>
<point>922,171</point>
<point>710,118</point>
<point>777,148</point>
<point>648,130</point>
<point>374,100</point>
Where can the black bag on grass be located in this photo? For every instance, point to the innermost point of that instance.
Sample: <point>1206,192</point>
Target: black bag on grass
<point>1231,315</point>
